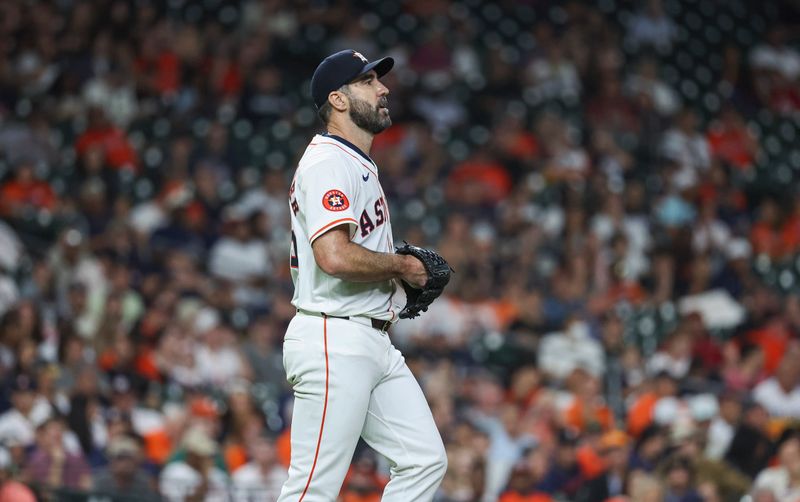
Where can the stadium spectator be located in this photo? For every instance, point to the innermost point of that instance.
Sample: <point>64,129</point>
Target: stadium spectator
<point>124,477</point>
<point>782,479</point>
<point>52,465</point>
<point>646,81</point>
<point>262,477</point>
<point>195,478</point>
<point>652,28</point>
<point>26,193</point>
<point>780,394</point>
<point>731,140</point>
<point>29,410</point>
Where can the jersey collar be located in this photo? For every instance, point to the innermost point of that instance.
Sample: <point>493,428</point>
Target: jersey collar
<point>350,145</point>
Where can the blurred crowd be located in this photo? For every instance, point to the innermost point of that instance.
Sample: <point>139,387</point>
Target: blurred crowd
<point>624,322</point>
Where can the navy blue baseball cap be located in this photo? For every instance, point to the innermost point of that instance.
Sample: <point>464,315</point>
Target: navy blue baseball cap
<point>340,68</point>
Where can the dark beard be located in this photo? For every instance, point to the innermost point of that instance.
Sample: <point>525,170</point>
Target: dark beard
<point>368,118</point>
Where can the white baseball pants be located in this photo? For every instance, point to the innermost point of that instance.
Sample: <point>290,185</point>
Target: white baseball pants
<point>350,381</point>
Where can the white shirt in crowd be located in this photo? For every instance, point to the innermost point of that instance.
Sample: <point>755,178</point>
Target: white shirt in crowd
<point>665,99</point>
<point>711,236</point>
<point>777,480</point>
<point>555,78</point>
<point>217,366</point>
<point>20,429</point>
<point>179,480</point>
<point>690,151</point>
<point>146,217</point>
<point>778,402</point>
<point>561,353</point>
<point>720,435</point>
<point>784,60</point>
<point>240,262</point>
<point>657,31</point>
<point>251,484</point>
<point>664,361</point>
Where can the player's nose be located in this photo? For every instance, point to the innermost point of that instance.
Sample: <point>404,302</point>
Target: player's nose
<point>382,89</point>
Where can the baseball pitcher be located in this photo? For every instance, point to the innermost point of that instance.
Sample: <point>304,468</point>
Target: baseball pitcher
<point>351,284</point>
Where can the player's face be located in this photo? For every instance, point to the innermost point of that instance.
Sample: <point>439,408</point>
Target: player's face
<point>369,106</point>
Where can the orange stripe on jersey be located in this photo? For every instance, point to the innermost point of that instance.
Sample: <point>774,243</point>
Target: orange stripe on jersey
<point>329,225</point>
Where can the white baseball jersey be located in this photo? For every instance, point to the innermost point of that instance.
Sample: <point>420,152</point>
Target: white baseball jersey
<point>335,184</point>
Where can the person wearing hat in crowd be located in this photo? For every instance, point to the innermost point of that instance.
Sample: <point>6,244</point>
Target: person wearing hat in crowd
<point>28,411</point>
<point>124,476</point>
<point>10,489</point>
<point>195,478</point>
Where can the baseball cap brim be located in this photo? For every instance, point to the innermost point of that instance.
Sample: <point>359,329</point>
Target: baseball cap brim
<point>381,67</point>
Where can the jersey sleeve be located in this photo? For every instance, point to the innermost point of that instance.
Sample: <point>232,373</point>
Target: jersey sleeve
<point>328,196</point>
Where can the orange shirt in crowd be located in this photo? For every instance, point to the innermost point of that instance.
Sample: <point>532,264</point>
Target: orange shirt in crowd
<point>284,447</point>
<point>157,446</point>
<point>641,413</point>
<point>518,497</point>
<point>519,144</point>
<point>773,340</point>
<point>790,235</point>
<point>766,240</point>
<point>589,461</point>
<point>34,193</point>
<point>731,145</point>
<point>391,137</point>
<point>146,364</point>
<point>577,414</point>
<point>235,456</point>
<point>164,70</point>
<point>378,481</point>
<point>119,152</point>
<point>230,80</point>
<point>356,497</point>
<point>492,177</point>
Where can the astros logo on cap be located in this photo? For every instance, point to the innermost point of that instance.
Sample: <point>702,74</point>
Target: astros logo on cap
<point>358,55</point>
<point>335,200</point>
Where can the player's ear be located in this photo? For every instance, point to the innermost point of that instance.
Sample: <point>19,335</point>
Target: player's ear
<point>338,100</point>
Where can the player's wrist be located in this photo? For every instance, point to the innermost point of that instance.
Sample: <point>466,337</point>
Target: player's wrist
<point>403,265</point>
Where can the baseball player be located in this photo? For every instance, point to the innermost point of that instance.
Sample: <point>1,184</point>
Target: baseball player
<point>349,380</point>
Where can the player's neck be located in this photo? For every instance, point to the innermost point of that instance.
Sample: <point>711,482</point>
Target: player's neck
<point>352,133</point>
